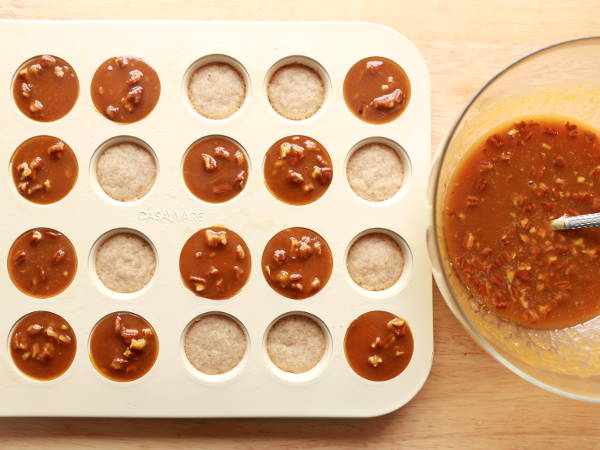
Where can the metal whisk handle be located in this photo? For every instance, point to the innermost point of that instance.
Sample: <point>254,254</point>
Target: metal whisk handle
<point>574,222</point>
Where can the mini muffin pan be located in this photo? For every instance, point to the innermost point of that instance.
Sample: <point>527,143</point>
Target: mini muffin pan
<point>169,214</point>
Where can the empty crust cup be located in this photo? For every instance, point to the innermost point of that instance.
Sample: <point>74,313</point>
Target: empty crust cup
<point>296,343</point>
<point>375,172</point>
<point>126,171</point>
<point>375,261</point>
<point>216,90</point>
<point>125,262</point>
<point>296,91</point>
<point>214,344</point>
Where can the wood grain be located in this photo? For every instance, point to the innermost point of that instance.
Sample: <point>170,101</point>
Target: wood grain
<point>470,400</point>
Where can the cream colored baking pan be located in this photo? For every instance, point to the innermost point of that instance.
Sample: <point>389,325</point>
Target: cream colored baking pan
<point>170,214</point>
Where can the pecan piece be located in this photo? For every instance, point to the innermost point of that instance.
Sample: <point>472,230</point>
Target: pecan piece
<point>221,152</point>
<point>199,283</point>
<point>240,252</point>
<point>295,177</point>
<point>388,101</point>
<point>36,163</point>
<point>58,256</point>
<point>283,278</point>
<point>375,360</point>
<point>373,66</point>
<point>64,339</point>
<point>56,150</point>
<point>121,61</point>
<point>135,76</point>
<point>58,72</point>
<point>34,328</point>
<point>239,157</point>
<point>46,353</point>
<point>128,334</point>
<point>47,60</point>
<point>240,179</point>
<point>138,344</point>
<point>279,256</point>
<point>25,90</point>
<point>36,106</point>
<point>35,69</point>
<point>111,111</point>
<point>216,238</point>
<point>20,341</point>
<point>24,170</point>
<point>210,163</point>
<point>119,325</point>
<point>118,363</point>
<point>238,272</point>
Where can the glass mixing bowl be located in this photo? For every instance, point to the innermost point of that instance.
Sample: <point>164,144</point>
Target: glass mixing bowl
<point>561,80</point>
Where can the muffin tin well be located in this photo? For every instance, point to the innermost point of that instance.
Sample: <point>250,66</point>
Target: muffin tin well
<point>169,214</point>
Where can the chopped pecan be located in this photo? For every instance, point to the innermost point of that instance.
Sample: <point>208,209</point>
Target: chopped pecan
<point>374,360</point>
<point>119,325</point>
<point>46,352</point>
<point>36,106</point>
<point>374,66</point>
<point>199,283</point>
<point>111,111</point>
<point>119,363</point>
<point>283,278</point>
<point>58,72</point>
<point>398,326</point>
<point>221,152</point>
<point>284,150</point>
<point>279,256</point>
<point>47,60</point>
<point>216,238</point>
<point>58,256</point>
<point>376,343</point>
<point>56,150</point>
<point>133,97</point>
<point>138,344</point>
<point>36,163</point>
<point>51,332</point>
<point>296,154</point>
<point>238,272</point>
<point>24,170</point>
<point>135,76</point>
<point>64,339</point>
<point>34,328</point>
<point>239,157</point>
<point>240,252</point>
<point>240,179</point>
<point>34,188</point>
<point>296,277</point>
<point>25,90</point>
<point>295,177</point>
<point>20,341</point>
<point>315,284</point>
<point>121,61</point>
<point>129,333</point>
<point>35,69</point>
<point>210,163</point>
<point>388,101</point>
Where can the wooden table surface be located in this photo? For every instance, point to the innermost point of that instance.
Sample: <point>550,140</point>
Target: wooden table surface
<point>470,400</point>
